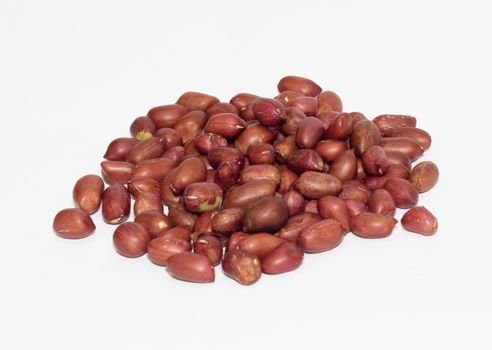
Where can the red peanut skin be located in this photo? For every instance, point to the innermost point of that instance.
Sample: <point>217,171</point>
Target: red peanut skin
<point>147,149</point>
<point>131,239</point>
<point>424,176</point>
<point>341,127</point>
<point>295,202</point>
<point>286,257</point>
<point>155,222</point>
<point>204,222</point>
<point>255,133</point>
<point>316,185</point>
<point>403,192</point>
<point>227,125</point>
<point>344,167</point>
<point>364,134</point>
<point>170,137</point>
<point>87,193</point>
<point>147,201</point>
<point>329,150</point>
<point>321,236</point>
<point>142,128</point>
<point>242,266</point>
<point>162,248</point>
<point>309,132</point>
<point>331,207</point>
<point>372,225</point>
<point>221,107</point>
<point>234,240</point>
<point>261,153</point>
<point>260,244</point>
<point>142,184</point>
<point>177,232</point>
<point>375,161</point>
<point>209,246</point>
<point>329,101</point>
<point>291,230</point>
<point>118,148</point>
<point>302,85</point>
<point>287,96</point>
<point>381,202</point>
<point>420,220</point>
<point>191,267</point>
<point>73,223</point>
<point>386,122</point>
<point>420,136</point>
<point>200,197</point>
<point>404,145</point>
<point>116,204</point>
<point>156,168</point>
<point>245,195</point>
<point>308,105</point>
<point>260,172</point>
<point>191,170</point>
<point>116,172</point>
<point>166,116</point>
<point>269,112</point>
<point>193,100</point>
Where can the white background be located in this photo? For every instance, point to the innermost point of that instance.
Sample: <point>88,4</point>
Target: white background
<point>73,75</point>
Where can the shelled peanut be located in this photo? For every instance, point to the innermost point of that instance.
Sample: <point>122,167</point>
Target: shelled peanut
<point>254,183</point>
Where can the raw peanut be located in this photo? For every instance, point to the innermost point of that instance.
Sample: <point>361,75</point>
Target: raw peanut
<point>329,150</point>
<point>327,118</point>
<point>190,125</point>
<point>170,137</point>
<point>131,239</point>
<point>116,172</point>
<point>261,153</point>
<point>166,116</point>
<point>329,101</point>
<point>395,157</point>
<point>204,222</point>
<point>345,166</point>
<point>355,206</point>
<point>291,230</point>
<point>166,192</point>
<point>420,136</point>
<point>155,222</point>
<point>381,202</point>
<point>227,221</point>
<point>221,107</point>
<point>119,147</point>
<point>73,223</point>
<point>260,172</point>
<point>205,142</point>
<point>181,217</point>
<point>287,96</point>
<point>87,193</point>
<point>146,149</point>
<point>374,161</point>
<point>176,154</point>
<point>404,145</point>
<point>354,190</point>
<point>244,195</point>
<point>269,112</point>
<point>138,185</point>
<point>331,207</point>
<point>364,134</point>
<point>308,105</point>
<point>190,149</point>
<point>189,171</point>
<point>191,267</point>
<point>210,246</point>
<point>386,122</point>
<point>403,192</point>
<point>116,204</point>
<point>372,225</point>
<point>260,244</point>
<point>147,201</point>
<point>341,127</point>
<point>294,116</point>
<point>309,132</point>
<point>218,155</point>
<point>286,257</point>
<point>162,248</point>
<point>142,128</point>
<point>395,170</point>
<point>192,100</point>
<point>156,169</point>
<point>287,178</point>
<point>266,215</point>
<point>295,202</point>
<point>424,176</point>
<point>227,174</point>
<point>241,266</point>
<point>316,185</point>
<point>299,84</point>
<point>305,160</point>
<point>311,206</point>
<point>285,149</point>
<point>234,239</point>
<point>244,103</point>
<point>200,197</point>
<point>357,116</point>
<point>321,236</point>
<point>177,232</point>
<point>254,133</point>
<point>419,220</point>
<point>361,173</point>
